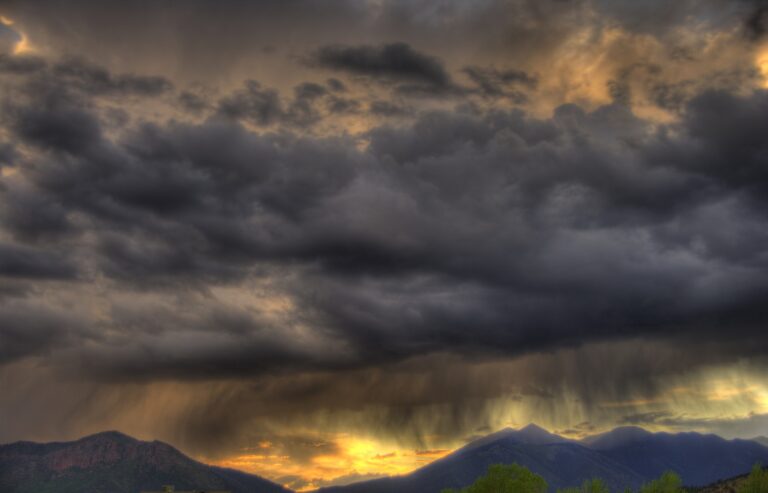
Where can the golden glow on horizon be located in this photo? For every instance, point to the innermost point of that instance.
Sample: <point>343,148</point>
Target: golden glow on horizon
<point>695,403</point>
<point>358,457</point>
<point>762,66</point>
<point>355,444</point>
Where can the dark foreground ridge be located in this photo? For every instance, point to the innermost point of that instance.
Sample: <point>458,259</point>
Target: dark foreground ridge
<point>112,462</point>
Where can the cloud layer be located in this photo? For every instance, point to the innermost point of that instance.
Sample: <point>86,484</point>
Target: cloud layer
<point>565,216</point>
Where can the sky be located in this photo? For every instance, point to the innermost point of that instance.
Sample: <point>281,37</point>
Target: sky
<point>330,241</point>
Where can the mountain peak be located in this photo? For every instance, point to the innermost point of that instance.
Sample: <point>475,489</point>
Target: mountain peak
<point>110,435</point>
<point>533,427</point>
<point>617,436</point>
<point>535,434</point>
<point>530,434</point>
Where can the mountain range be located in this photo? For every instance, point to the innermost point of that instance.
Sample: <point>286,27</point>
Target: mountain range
<point>112,462</point>
<point>623,457</point>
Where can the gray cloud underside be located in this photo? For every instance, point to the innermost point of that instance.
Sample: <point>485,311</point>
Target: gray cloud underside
<point>220,238</point>
<point>470,231</point>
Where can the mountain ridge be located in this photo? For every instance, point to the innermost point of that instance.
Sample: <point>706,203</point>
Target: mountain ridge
<point>112,462</point>
<point>699,458</point>
<point>624,456</point>
<point>612,437</point>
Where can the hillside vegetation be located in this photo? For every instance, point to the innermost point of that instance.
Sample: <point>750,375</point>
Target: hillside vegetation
<point>514,478</point>
<point>754,482</point>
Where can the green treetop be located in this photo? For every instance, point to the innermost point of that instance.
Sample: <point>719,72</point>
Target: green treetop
<point>669,482</point>
<point>756,482</point>
<point>505,479</point>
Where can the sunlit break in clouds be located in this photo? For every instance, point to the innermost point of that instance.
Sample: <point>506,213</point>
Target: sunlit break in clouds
<point>325,241</point>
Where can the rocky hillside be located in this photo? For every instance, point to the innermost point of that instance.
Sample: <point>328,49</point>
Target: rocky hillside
<point>111,462</point>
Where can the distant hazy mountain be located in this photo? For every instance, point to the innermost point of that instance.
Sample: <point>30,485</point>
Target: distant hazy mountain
<point>761,440</point>
<point>111,462</point>
<point>699,459</point>
<point>623,457</point>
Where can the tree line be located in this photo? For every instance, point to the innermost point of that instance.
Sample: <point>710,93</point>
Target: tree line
<point>514,478</point>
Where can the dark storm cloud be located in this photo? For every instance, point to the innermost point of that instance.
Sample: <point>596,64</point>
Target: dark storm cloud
<point>22,262</point>
<point>259,105</point>
<point>247,233</point>
<point>388,63</point>
<point>494,82</point>
<point>33,217</point>
<point>53,106</point>
<point>465,231</point>
<point>28,329</point>
<point>193,191</point>
<point>338,105</point>
<point>21,64</point>
<point>96,80</point>
<point>756,23</point>
<point>242,343</point>
<point>386,108</point>
<point>336,85</point>
<point>60,126</point>
<point>192,102</point>
<point>734,155</point>
<point>7,154</point>
<point>262,106</point>
<point>309,90</point>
